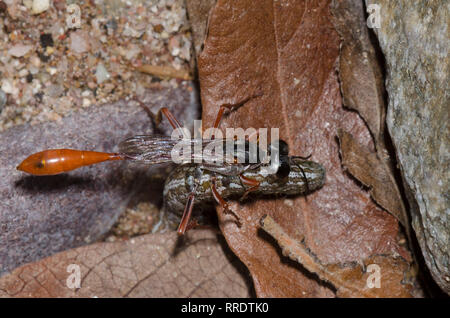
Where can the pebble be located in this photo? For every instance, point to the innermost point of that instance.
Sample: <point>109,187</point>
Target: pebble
<point>40,6</point>
<point>46,40</point>
<point>33,70</point>
<point>49,50</point>
<point>112,25</point>
<point>101,74</point>
<point>158,28</point>
<point>78,43</point>
<point>174,45</point>
<point>52,70</point>
<point>91,85</point>
<point>109,87</point>
<point>129,31</point>
<point>55,90</point>
<point>86,102</point>
<point>35,61</point>
<point>36,84</point>
<point>23,72</point>
<point>132,52</point>
<point>7,86</point>
<point>28,4</point>
<point>164,35</point>
<point>19,50</point>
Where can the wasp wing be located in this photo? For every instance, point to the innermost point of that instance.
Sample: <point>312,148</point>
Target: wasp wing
<point>154,149</point>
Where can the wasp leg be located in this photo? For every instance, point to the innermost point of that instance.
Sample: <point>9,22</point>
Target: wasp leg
<point>220,115</point>
<point>173,121</point>
<point>253,184</point>
<point>223,203</point>
<point>157,118</point>
<point>185,223</point>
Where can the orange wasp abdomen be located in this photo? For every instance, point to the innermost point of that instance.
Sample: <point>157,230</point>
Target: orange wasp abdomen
<point>56,161</point>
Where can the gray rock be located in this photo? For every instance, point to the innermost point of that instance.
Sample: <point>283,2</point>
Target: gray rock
<point>414,39</point>
<point>40,216</point>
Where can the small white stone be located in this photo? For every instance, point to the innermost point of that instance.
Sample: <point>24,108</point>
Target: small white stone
<point>129,31</point>
<point>133,52</point>
<point>28,3</point>
<point>52,70</point>
<point>35,61</point>
<point>36,84</point>
<point>23,72</point>
<point>86,102</point>
<point>19,50</point>
<point>7,87</point>
<point>78,42</point>
<point>175,51</point>
<point>40,6</point>
<point>101,74</point>
<point>33,70</point>
<point>164,35</point>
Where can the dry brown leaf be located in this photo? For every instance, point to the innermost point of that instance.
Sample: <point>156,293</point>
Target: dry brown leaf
<point>287,51</point>
<point>361,78</point>
<point>350,280</point>
<point>198,19</point>
<point>165,72</point>
<point>147,266</point>
<point>365,165</point>
<point>360,72</point>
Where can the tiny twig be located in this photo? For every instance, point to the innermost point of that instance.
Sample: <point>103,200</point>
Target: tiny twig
<point>336,274</point>
<point>165,71</point>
